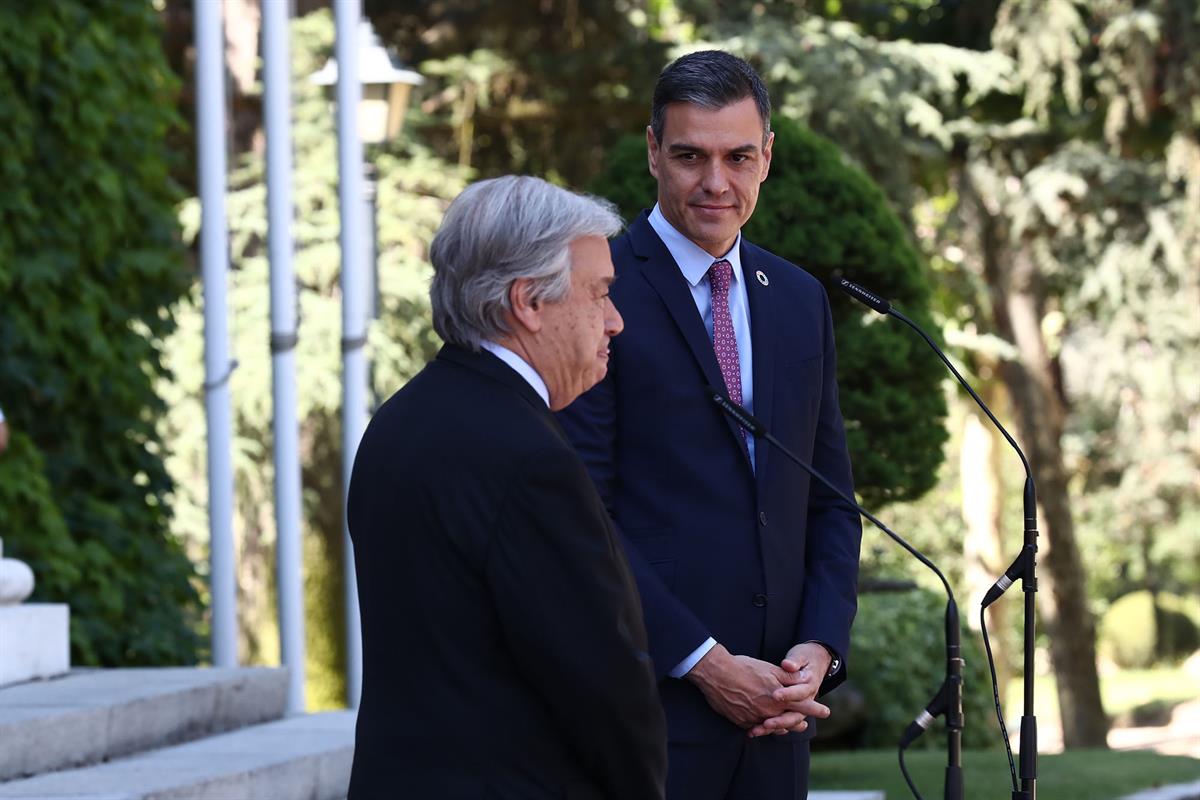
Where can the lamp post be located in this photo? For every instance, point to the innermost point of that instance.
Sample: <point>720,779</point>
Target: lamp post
<point>386,85</point>
<point>372,97</point>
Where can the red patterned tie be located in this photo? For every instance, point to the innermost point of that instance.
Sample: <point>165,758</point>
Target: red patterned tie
<point>724,340</point>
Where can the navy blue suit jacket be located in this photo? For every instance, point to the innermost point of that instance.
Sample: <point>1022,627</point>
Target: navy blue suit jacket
<point>760,560</point>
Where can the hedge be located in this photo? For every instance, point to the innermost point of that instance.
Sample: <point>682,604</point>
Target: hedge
<point>90,265</point>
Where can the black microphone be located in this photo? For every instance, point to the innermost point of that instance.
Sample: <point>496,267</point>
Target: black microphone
<point>1023,567</point>
<point>759,429</point>
<point>741,416</point>
<point>949,697</point>
<point>874,301</point>
<point>1018,568</point>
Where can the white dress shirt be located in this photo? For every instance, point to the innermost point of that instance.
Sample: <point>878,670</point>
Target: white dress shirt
<point>522,367</point>
<point>694,262</point>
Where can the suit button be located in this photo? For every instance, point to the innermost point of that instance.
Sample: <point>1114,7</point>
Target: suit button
<point>760,600</point>
<point>762,518</point>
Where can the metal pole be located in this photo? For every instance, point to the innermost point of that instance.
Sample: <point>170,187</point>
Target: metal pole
<point>347,14</point>
<point>214,258</point>
<point>288,560</point>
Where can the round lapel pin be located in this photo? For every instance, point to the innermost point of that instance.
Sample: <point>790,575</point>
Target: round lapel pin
<point>762,278</point>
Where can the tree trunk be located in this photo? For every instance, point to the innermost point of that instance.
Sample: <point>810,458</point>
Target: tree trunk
<point>982,455</point>
<point>1017,308</point>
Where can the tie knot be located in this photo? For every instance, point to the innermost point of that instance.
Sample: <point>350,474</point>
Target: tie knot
<point>720,274</point>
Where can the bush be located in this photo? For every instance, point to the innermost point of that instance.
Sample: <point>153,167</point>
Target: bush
<point>898,660</point>
<point>1136,632</point>
<point>829,218</point>
<point>90,264</point>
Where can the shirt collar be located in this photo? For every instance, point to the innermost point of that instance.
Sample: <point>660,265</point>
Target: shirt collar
<point>693,260</point>
<point>521,366</point>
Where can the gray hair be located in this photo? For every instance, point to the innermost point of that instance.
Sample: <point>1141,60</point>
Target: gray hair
<point>496,232</point>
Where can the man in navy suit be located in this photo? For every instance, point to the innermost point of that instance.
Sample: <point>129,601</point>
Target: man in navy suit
<point>747,569</point>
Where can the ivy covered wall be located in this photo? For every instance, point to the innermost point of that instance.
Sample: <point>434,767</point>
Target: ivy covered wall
<point>90,267</point>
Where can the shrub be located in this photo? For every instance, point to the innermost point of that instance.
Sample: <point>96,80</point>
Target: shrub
<point>90,265</point>
<point>1136,632</point>
<point>829,218</point>
<point>898,660</point>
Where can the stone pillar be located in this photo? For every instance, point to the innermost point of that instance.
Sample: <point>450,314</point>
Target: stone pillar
<point>35,639</point>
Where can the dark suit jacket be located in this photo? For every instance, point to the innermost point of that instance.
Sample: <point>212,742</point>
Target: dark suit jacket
<point>504,654</point>
<point>758,560</point>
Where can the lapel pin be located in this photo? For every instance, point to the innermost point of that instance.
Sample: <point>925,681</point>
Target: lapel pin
<point>762,278</point>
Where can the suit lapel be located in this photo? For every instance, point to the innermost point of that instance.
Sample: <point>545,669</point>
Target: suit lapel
<point>664,276</point>
<point>763,336</point>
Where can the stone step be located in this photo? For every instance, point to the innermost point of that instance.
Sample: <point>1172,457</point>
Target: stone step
<point>306,757</point>
<point>89,716</point>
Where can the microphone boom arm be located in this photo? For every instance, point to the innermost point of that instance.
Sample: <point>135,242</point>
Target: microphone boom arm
<point>948,700</point>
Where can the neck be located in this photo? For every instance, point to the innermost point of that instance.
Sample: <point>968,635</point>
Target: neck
<point>515,344</point>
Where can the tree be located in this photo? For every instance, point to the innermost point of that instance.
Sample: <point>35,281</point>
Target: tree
<point>987,146</point>
<point>562,80</point>
<point>90,271</point>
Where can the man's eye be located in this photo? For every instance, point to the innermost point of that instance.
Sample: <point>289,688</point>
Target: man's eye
<point>738,158</point>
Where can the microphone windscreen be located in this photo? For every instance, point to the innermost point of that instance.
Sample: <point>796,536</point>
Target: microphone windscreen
<point>739,415</point>
<point>864,296</point>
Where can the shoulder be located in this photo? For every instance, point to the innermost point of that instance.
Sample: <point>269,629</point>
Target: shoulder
<point>624,254</point>
<point>781,272</point>
<point>466,408</point>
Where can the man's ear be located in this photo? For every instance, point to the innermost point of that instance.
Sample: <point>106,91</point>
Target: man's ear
<point>651,151</point>
<point>526,311</point>
<point>767,149</point>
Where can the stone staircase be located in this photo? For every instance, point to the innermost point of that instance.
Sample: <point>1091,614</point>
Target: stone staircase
<point>178,734</point>
<point>169,734</point>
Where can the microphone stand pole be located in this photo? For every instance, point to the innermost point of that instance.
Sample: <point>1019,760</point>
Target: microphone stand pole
<point>948,700</point>
<point>1024,568</point>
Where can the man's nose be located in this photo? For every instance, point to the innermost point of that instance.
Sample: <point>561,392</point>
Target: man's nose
<point>613,323</point>
<point>715,181</point>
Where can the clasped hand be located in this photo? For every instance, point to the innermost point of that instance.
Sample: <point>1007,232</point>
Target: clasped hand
<point>759,696</point>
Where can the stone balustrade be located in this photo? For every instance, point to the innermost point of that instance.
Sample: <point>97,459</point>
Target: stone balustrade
<point>35,638</point>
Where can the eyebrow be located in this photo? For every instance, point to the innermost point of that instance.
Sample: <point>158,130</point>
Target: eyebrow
<point>684,147</point>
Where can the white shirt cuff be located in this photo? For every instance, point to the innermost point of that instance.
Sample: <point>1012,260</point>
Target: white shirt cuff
<point>685,666</point>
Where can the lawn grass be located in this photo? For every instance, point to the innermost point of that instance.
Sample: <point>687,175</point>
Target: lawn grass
<point>1126,690</point>
<point>1074,775</point>
<point>1122,691</point>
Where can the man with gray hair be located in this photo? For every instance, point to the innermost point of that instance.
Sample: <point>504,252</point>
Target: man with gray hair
<point>504,650</point>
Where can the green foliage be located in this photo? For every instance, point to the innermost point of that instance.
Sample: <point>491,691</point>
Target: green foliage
<point>89,269</point>
<point>535,88</point>
<point>894,107</point>
<point>29,507</point>
<point>898,657</point>
<point>413,190</point>
<point>1141,629</point>
<point>1127,631</point>
<point>829,218</point>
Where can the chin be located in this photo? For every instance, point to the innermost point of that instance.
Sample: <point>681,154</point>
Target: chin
<point>708,232</point>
